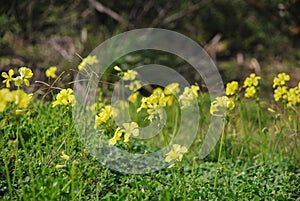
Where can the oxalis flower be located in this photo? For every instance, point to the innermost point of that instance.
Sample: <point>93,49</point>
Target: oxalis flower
<point>25,73</point>
<point>188,96</point>
<point>65,97</point>
<point>51,72</point>
<point>8,77</point>
<point>117,136</point>
<point>5,97</point>
<point>89,60</point>
<point>21,98</point>
<point>104,115</point>
<point>221,102</point>
<point>129,130</point>
<point>176,153</point>
<point>252,80</point>
<point>280,79</point>
<point>130,75</point>
<point>231,88</point>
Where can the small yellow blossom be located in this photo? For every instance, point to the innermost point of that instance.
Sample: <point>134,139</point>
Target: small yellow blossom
<point>280,80</point>
<point>176,153</point>
<point>117,68</point>
<point>20,112</point>
<point>64,156</point>
<point>271,110</point>
<point>51,72</point>
<point>172,89</point>
<point>280,93</point>
<point>117,136</point>
<point>65,97</point>
<point>18,81</point>
<point>189,94</point>
<point>133,97</point>
<point>5,97</point>
<point>231,88</point>
<point>58,166</point>
<point>130,75</point>
<point>252,80</point>
<point>293,96</point>
<point>89,60</point>
<point>250,92</point>
<point>223,102</point>
<point>21,98</point>
<point>104,115</point>
<point>130,129</point>
<point>135,85</point>
<point>8,77</point>
<point>25,73</point>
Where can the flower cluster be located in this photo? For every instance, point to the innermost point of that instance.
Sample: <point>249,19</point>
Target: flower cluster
<point>221,102</point>
<point>129,129</point>
<point>232,88</point>
<point>188,96</point>
<point>25,74</point>
<point>19,97</point>
<point>65,97</point>
<point>159,99</point>
<point>251,85</point>
<point>289,96</point>
<point>89,60</point>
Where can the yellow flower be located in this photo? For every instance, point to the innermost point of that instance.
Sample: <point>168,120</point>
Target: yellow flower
<point>21,98</point>
<point>250,92</point>
<point>176,153</point>
<point>117,68</point>
<point>223,102</point>
<point>293,96</point>
<point>130,129</point>
<point>280,92</point>
<point>189,94</point>
<point>271,110</point>
<point>25,73</point>
<point>64,156</point>
<point>50,72</point>
<point>130,75</point>
<point>20,111</point>
<point>5,98</point>
<point>89,60</point>
<point>172,89</point>
<point>58,166</point>
<point>154,111</point>
<point>133,97</point>
<point>231,88</point>
<point>116,137</point>
<point>65,97</point>
<point>104,115</point>
<point>135,85</point>
<point>8,77</point>
<point>280,79</point>
<point>194,90</point>
<point>252,80</point>
<point>18,81</point>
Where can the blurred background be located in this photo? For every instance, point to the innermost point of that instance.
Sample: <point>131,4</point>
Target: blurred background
<point>242,36</point>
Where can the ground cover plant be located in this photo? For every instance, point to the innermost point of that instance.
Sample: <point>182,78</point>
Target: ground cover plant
<point>256,158</point>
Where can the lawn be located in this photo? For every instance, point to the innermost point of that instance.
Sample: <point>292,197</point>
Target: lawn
<point>44,157</point>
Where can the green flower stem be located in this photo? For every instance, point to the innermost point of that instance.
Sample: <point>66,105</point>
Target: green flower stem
<point>220,150</point>
<point>73,172</point>
<point>244,128</point>
<point>6,162</point>
<point>182,178</point>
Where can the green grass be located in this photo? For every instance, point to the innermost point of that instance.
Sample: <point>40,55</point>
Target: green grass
<point>256,165</point>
